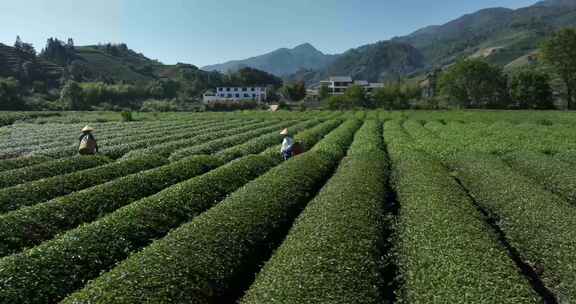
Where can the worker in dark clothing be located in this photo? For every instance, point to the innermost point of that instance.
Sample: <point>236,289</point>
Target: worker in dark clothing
<point>287,145</point>
<point>88,144</point>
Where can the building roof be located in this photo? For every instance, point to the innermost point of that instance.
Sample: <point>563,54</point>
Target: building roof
<point>361,82</point>
<point>341,78</point>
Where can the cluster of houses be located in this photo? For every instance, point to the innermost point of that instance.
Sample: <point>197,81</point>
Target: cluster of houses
<point>336,85</point>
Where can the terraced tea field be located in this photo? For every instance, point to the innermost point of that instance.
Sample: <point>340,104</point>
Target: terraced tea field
<point>383,207</point>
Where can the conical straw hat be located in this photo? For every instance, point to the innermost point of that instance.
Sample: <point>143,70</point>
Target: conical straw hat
<point>284,132</point>
<point>87,129</point>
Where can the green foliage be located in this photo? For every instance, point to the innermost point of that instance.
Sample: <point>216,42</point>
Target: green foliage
<point>216,145</point>
<point>323,92</point>
<point>224,106</point>
<point>10,94</point>
<point>294,91</point>
<point>30,226</point>
<point>216,132</point>
<point>62,265</point>
<point>152,105</point>
<point>126,116</point>
<point>531,90</point>
<point>19,162</point>
<point>42,190</point>
<point>537,223</point>
<point>72,96</point>
<point>341,224</point>
<point>215,254</point>
<point>558,51</point>
<point>391,97</point>
<point>50,168</point>
<point>354,97</point>
<point>247,77</point>
<point>259,144</point>
<point>306,138</point>
<point>441,239</point>
<point>552,173</point>
<point>474,83</point>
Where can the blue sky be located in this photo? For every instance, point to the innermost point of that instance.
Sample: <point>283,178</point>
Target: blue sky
<point>204,32</point>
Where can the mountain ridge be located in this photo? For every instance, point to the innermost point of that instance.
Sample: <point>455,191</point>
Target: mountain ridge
<point>280,62</point>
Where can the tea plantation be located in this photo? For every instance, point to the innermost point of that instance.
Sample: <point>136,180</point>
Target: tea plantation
<point>382,207</point>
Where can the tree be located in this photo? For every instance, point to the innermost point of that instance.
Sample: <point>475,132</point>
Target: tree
<point>10,94</point>
<point>295,91</point>
<point>531,89</point>
<point>474,83</point>
<point>558,52</point>
<point>323,92</point>
<point>72,96</point>
<point>391,97</point>
<point>356,97</point>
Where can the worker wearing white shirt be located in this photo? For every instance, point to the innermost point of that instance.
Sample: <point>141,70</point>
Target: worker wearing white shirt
<point>287,145</point>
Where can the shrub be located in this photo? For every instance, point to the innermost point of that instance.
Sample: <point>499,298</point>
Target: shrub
<point>165,149</point>
<point>20,162</point>
<point>126,116</point>
<point>42,190</point>
<point>220,249</point>
<point>50,168</point>
<point>226,142</point>
<point>537,223</point>
<point>30,226</point>
<point>60,266</point>
<point>442,239</point>
<point>260,144</point>
<point>341,232</point>
<point>306,138</point>
<point>553,174</point>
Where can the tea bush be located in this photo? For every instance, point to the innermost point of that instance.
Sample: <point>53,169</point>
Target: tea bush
<point>539,224</point>
<point>332,253</point>
<point>30,226</point>
<point>217,251</point>
<point>55,268</point>
<point>50,168</point>
<point>42,190</point>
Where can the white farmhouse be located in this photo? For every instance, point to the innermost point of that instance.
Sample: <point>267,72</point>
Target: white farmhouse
<point>337,85</point>
<point>258,94</point>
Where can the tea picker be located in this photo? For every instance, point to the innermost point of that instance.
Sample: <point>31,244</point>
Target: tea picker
<point>88,144</point>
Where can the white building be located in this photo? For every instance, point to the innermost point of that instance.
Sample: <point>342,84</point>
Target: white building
<point>338,85</point>
<point>258,94</point>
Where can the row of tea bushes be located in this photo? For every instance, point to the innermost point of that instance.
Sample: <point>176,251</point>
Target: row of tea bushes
<point>49,169</point>
<point>537,223</point>
<point>226,142</point>
<point>42,190</point>
<point>306,138</point>
<point>21,162</point>
<point>261,143</point>
<point>332,254</point>
<point>30,226</point>
<point>52,270</point>
<point>213,256</point>
<point>121,144</point>
<point>446,251</point>
<point>57,267</point>
<point>555,175</point>
<point>165,149</point>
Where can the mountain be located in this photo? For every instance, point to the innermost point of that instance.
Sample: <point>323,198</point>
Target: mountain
<point>500,35</point>
<point>381,61</point>
<point>280,62</point>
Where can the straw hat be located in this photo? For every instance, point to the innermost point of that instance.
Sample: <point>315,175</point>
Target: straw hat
<point>87,129</point>
<point>284,132</point>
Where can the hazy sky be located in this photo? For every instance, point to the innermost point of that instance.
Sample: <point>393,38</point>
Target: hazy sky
<point>204,32</point>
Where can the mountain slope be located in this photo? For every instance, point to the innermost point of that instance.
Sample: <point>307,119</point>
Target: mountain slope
<point>280,62</point>
<point>513,33</point>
